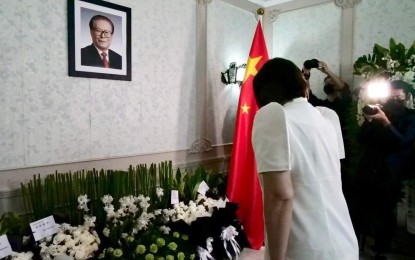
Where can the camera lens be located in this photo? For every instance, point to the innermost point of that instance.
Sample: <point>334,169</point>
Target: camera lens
<point>369,110</point>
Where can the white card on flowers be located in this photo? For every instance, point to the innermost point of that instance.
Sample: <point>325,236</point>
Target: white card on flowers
<point>43,228</point>
<point>174,197</point>
<point>5,248</point>
<point>203,187</point>
<point>221,203</point>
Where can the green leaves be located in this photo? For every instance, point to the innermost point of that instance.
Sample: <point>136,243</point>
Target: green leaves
<point>11,224</point>
<point>387,61</point>
<point>58,193</point>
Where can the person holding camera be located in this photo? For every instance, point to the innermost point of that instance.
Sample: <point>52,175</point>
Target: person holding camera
<point>387,138</point>
<point>339,99</point>
<point>338,92</point>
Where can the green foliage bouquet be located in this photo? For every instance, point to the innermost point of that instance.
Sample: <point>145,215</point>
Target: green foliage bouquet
<point>132,215</point>
<point>395,62</point>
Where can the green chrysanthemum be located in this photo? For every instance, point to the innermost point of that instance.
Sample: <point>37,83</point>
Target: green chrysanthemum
<point>180,256</point>
<point>172,246</point>
<point>153,248</point>
<point>129,239</point>
<point>117,253</point>
<point>149,257</point>
<point>160,242</point>
<point>140,249</point>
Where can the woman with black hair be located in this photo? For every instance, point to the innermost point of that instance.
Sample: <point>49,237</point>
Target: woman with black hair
<point>298,149</point>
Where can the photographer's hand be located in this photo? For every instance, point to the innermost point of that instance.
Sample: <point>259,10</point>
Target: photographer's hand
<point>339,84</point>
<point>322,66</point>
<point>306,74</point>
<point>380,116</point>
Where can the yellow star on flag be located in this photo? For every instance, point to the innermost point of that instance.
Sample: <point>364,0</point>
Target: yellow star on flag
<point>251,67</point>
<point>245,108</point>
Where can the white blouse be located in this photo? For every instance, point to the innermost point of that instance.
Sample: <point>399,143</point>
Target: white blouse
<point>307,141</point>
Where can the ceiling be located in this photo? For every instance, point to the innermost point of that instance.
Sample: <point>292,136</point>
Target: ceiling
<point>267,3</point>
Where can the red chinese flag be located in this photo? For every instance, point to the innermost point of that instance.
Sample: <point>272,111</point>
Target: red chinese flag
<point>243,181</point>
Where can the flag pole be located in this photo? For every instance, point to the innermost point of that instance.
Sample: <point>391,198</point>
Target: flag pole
<point>259,13</point>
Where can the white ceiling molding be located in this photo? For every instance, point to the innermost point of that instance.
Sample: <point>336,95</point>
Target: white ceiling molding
<point>282,6</point>
<point>204,2</point>
<point>273,14</point>
<point>267,3</point>
<point>245,4</point>
<point>346,3</point>
<point>297,4</point>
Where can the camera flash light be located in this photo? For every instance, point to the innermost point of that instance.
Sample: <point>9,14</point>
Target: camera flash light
<point>378,89</point>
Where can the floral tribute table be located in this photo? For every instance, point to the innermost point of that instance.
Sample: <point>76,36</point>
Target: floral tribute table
<point>144,213</point>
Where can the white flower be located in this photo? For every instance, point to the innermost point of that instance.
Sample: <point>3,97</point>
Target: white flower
<point>59,238</point>
<point>82,202</point>
<point>77,232</point>
<point>107,199</point>
<point>144,203</point>
<point>89,221</point>
<point>83,199</point>
<point>81,253</point>
<point>159,192</point>
<point>83,207</point>
<point>22,256</point>
<point>70,244</point>
<point>165,230</point>
<point>106,232</point>
<point>409,76</point>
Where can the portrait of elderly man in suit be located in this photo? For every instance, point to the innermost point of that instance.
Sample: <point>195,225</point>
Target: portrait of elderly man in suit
<point>99,54</point>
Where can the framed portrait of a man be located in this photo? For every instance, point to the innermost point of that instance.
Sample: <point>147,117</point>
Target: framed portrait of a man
<point>99,40</point>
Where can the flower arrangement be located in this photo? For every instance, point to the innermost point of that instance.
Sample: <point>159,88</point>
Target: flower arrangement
<point>136,220</point>
<point>394,63</point>
<point>131,232</point>
<point>397,62</point>
<point>79,242</point>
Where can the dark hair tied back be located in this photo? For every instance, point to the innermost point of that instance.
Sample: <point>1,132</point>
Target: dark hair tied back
<point>279,80</point>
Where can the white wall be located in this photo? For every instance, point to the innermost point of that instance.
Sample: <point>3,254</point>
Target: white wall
<point>230,35</point>
<point>308,33</point>
<point>315,32</point>
<point>49,118</point>
<point>376,21</point>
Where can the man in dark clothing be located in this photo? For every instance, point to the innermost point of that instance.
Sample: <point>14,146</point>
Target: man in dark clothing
<point>338,93</point>
<point>387,140</point>
<point>339,98</point>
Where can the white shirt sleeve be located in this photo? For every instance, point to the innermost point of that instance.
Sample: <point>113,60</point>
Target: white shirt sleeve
<point>270,139</point>
<point>333,118</point>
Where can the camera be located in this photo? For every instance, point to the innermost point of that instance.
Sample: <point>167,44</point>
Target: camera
<point>310,64</point>
<point>369,110</point>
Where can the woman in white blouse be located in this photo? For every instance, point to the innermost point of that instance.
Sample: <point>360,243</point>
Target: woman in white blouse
<point>298,149</point>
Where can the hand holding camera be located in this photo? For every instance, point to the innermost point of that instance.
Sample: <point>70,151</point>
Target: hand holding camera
<point>375,112</point>
<point>370,110</point>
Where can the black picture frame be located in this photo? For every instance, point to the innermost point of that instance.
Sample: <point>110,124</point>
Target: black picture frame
<point>80,13</point>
